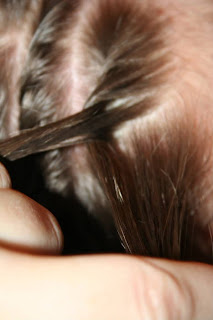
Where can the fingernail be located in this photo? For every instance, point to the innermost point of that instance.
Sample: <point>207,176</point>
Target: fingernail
<point>58,233</point>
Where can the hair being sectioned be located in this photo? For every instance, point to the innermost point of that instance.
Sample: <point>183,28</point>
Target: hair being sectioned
<point>144,162</point>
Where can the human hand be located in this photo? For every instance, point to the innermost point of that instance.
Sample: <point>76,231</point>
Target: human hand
<point>35,286</point>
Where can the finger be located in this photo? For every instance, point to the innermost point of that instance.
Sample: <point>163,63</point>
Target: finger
<point>195,281</point>
<point>27,226</point>
<point>5,181</point>
<point>104,287</point>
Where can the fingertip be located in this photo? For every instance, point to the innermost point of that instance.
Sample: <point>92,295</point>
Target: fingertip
<point>27,226</point>
<point>51,240</point>
<point>5,181</point>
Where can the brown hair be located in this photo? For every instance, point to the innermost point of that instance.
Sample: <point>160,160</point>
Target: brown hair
<point>149,174</point>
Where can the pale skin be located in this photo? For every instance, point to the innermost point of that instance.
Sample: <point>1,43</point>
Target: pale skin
<point>38,286</point>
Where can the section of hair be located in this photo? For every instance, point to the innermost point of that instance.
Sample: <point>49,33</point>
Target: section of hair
<point>155,190</point>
